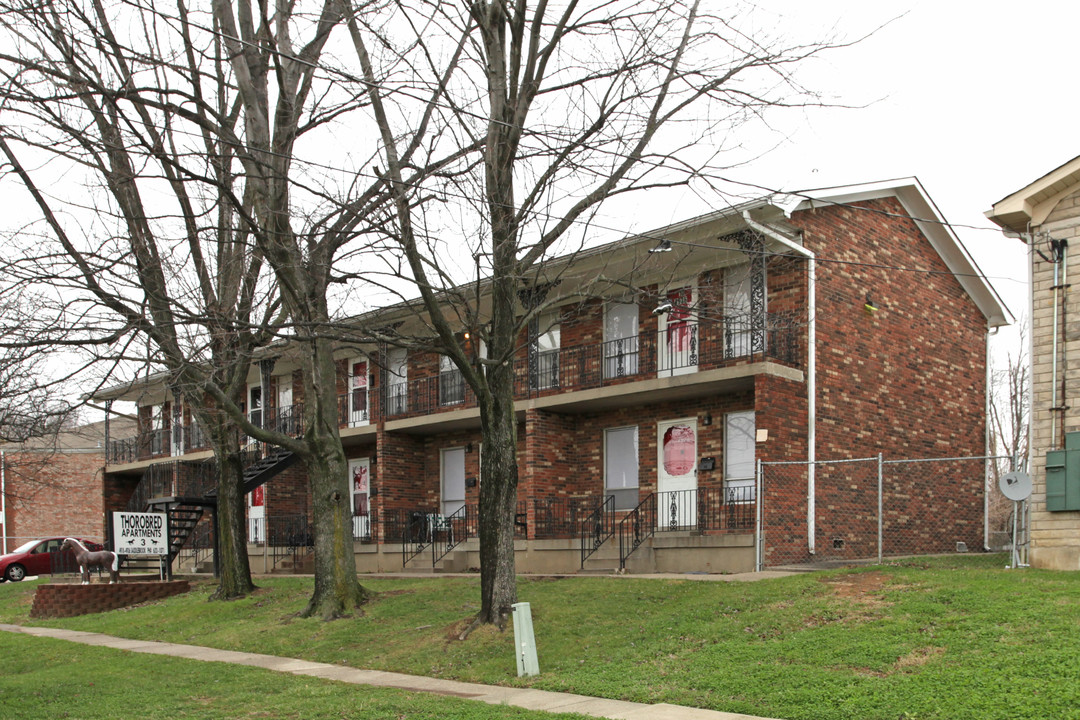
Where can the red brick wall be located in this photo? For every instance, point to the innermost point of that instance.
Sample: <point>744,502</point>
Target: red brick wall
<point>49,494</point>
<point>907,381</point>
<point>287,494</point>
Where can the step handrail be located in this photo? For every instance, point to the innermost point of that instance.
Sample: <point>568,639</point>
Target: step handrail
<point>638,526</point>
<point>454,529</point>
<point>597,527</point>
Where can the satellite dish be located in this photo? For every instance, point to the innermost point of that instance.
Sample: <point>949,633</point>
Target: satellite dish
<point>1015,485</point>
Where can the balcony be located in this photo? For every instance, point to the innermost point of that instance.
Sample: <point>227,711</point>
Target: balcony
<point>679,349</point>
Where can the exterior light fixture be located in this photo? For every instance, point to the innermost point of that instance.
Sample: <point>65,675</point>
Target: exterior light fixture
<point>662,246</point>
<point>707,420</point>
<point>871,306</point>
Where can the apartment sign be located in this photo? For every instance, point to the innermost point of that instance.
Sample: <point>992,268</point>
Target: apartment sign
<point>140,533</point>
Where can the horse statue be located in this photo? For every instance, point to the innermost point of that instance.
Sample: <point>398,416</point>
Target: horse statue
<point>87,559</point>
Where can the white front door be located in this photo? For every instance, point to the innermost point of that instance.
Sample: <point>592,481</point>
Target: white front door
<point>453,480</point>
<point>360,482</point>
<point>678,334</point>
<point>257,514</point>
<point>676,478</point>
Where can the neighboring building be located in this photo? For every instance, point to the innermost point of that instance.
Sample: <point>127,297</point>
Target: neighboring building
<point>647,407</point>
<point>52,485</point>
<point>1046,216</point>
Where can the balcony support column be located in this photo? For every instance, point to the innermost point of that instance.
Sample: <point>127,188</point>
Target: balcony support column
<point>108,437</point>
<point>266,371</point>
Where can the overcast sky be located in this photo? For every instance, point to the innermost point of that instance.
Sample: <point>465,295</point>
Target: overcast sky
<point>974,99</point>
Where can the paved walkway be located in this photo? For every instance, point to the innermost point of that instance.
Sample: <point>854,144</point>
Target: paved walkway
<point>491,694</point>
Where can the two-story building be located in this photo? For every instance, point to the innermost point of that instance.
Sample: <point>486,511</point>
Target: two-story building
<point>1045,215</point>
<point>821,325</point>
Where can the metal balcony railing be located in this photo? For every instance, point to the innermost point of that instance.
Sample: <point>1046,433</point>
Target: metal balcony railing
<point>679,348</point>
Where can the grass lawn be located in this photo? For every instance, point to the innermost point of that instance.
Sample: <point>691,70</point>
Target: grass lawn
<point>952,637</point>
<point>46,679</point>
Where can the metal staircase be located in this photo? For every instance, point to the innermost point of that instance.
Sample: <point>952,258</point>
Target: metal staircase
<point>274,462</point>
<point>184,515</point>
<point>185,491</point>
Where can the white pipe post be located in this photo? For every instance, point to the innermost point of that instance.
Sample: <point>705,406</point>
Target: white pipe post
<point>759,534</point>
<point>811,374</point>
<point>880,504</point>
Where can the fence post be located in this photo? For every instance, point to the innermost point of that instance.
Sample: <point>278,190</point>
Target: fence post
<point>880,524</point>
<point>759,534</point>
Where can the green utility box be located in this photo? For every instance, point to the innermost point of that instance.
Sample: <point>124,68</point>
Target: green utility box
<point>1063,476</point>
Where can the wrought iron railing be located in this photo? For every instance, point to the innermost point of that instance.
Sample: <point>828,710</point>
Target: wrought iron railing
<point>560,517</point>
<point>287,419</point>
<point>679,347</point>
<point>289,536</point>
<point>353,408</point>
<point>415,534</point>
<point>199,547</point>
<point>597,527</point>
<point>701,509</point>
<point>179,478</point>
<point>122,451</point>
<point>363,526</point>
<point>447,532</point>
<point>637,527</point>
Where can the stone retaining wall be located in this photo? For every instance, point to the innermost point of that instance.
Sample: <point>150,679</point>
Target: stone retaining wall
<point>67,600</point>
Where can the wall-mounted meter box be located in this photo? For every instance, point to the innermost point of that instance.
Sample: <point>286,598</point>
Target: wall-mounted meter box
<point>1063,476</point>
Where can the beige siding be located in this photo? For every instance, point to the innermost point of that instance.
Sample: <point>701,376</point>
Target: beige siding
<point>1055,537</point>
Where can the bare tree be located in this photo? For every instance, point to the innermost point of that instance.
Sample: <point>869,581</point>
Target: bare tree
<point>1010,421</point>
<point>557,108</point>
<point>207,105</point>
<point>156,245</point>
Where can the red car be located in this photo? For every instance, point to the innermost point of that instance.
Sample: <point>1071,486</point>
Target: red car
<point>41,557</point>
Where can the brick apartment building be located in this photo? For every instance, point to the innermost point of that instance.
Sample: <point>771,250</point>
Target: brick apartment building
<point>824,325</point>
<point>52,486</point>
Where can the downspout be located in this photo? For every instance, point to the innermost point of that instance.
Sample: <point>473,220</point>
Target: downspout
<point>1061,270</point>
<point>988,450</point>
<point>811,373</point>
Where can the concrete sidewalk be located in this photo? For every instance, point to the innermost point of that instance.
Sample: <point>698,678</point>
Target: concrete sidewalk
<point>491,694</point>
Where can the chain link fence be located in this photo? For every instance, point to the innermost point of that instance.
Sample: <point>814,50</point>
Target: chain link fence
<point>871,508</point>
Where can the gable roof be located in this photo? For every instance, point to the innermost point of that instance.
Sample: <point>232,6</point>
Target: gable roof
<point>1033,203</point>
<point>933,225</point>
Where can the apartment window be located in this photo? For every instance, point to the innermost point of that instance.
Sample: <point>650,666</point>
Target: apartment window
<point>621,466</point>
<point>739,456</point>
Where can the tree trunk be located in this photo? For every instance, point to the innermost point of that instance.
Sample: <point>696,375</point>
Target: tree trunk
<point>235,581</point>
<point>337,591</point>
<point>498,499</point>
